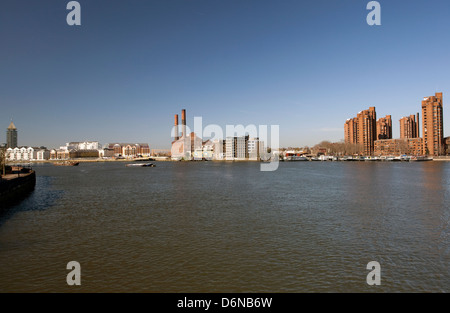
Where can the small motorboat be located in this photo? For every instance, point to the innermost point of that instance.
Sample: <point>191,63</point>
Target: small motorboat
<point>140,165</point>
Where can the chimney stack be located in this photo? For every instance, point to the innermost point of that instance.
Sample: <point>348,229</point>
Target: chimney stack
<point>176,127</point>
<point>183,122</point>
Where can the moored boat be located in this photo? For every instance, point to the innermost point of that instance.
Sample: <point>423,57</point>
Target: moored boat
<point>420,158</point>
<point>144,159</point>
<point>294,156</point>
<point>66,163</point>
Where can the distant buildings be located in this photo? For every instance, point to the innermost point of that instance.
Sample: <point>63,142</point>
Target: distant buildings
<point>92,149</point>
<point>11,136</point>
<point>256,148</point>
<point>190,146</point>
<point>187,146</point>
<point>76,149</point>
<point>128,150</point>
<point>236,148</point>
<point>376,139</point>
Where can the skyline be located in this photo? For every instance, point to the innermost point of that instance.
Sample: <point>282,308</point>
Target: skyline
<point>121,74</point>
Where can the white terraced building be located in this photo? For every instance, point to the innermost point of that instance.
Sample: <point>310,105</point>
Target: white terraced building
<point>27,154</point>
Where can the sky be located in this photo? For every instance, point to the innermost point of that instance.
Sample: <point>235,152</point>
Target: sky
<point>306,66</point>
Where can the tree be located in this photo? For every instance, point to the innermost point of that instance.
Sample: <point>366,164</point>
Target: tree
<point>2,160</point>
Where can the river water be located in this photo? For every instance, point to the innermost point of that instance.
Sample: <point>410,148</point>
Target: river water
<point>228,227</point>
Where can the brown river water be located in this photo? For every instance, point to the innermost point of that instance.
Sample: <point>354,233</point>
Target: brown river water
<point>228,227</point>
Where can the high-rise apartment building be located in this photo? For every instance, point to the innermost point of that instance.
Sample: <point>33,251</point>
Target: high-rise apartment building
<point>433,125</point>
<point>362,130</point>
<point>367,130</point>
<point>384,128</point>
<point>11,136</point>
<point>351,130</point>
<point>409,127</point>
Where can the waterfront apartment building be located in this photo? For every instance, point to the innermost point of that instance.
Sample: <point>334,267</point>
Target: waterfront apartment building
<point>76,149</point>
<point>27,154</point>
<point>397,147</point>
<point>351,130</point>
<point>11,136</point>
<point>433,125</point>
<point>129,150</point>
<point>362,130</point>
<point>65,154</point>
<point>84,145</point>
<point>237,148</point>
<point>255,148</point>
<point>409,127</point>
<point>384,128</point>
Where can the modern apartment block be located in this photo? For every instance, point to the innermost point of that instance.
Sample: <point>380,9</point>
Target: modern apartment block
<point>362,130</point>
<point>409,127</point>
<point>384,128</point>
<point>237,148</point>
<point>433,125</point>
<point>255,148</point>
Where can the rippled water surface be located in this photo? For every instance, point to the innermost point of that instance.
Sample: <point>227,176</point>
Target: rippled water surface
<point>227,227</point>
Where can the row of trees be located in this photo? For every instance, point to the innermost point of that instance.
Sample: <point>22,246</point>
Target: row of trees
<point>330,148</point>
<point>340,148</point>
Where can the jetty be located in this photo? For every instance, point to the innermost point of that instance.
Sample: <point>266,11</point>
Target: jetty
<point>16,184</point>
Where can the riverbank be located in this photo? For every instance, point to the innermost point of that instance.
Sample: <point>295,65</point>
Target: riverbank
<point>87,160</point>
<point>168,159</point>
<point>442,158</point>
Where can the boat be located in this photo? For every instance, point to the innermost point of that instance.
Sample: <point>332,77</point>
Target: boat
<point>420,158</point>
<point>294,156</point>
<point>140,165</point>
<point>144,159</point>
<point>66,163</point>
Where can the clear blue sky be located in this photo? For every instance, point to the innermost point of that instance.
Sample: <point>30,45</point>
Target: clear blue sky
<point>304,65</point>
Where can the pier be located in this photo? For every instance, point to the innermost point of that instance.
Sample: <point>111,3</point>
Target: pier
<point>16,184</point>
